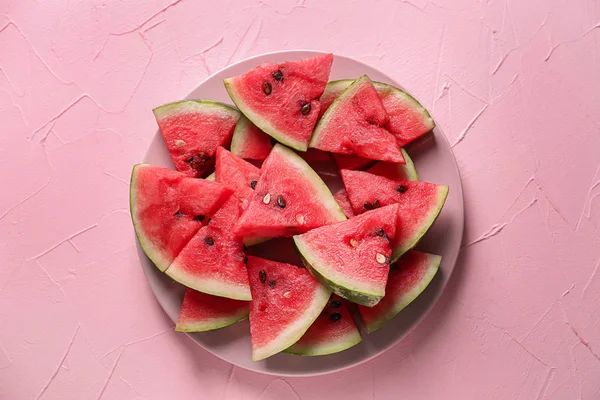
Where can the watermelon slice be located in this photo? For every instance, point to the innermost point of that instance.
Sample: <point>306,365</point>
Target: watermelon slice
<point>420,203</point>
<point>332,332</point>
<point>407,280</point>
<point>396,171</point>
<point>203,312</point>
<point>286,301</point>
<point>409,120</point>
<point>167,209</point>
<point>250,142</point>
<point>355,124</point>
<point>213,261</point>
<point>342,198</point>
<point>281,99</point>
<point>289,198</point>
<point>352,257</point>
<point>193,130</point>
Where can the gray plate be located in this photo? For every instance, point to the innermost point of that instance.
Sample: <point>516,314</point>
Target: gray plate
<point>435,163</point>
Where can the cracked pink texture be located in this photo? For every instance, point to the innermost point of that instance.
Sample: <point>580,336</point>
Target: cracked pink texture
<point>514,85</point>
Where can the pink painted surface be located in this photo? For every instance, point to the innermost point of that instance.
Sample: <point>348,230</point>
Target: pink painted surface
<point>514,84</point>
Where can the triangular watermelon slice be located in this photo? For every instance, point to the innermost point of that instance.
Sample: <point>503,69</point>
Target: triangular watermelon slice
<point>395,171</point>
<point>342,198</point>
<point>193,130</point>
<point>407,280</point>
<point>203,312</point>
<point>168,207</point>
<point>409,120</point>
<point>289,198</point>
<point>286,301</point>
<point>352,258</point>
<point>355,124</point>
<point>250,142</point>
<point>420,203</point>
<point>333,331</point>
<point>282,99</point>
<point>213,261</point>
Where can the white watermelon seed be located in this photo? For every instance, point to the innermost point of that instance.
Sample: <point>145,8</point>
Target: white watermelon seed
<point>267,198</point>
<point>300,218</point>
<point>380,258</point>
<point>354,242</point>
<point>179,143</point>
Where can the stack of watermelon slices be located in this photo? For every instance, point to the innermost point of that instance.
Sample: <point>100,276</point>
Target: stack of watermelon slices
<point>355,264</point>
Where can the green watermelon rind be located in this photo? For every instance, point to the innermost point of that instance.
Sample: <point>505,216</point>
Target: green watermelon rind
<point>153,252</point>
<point>325,348</point>
<point>296,330</point>
<point>408,297</point>
<point>211,177</point>
<point>260,122</point>
<point>348,290</point>
<point>179,107</point>
<point>332,108</point>
<point>341,84</point>
<point>406,171</point>
<point>212,324</point>
<point>434,212</point>
<point>207,285</point>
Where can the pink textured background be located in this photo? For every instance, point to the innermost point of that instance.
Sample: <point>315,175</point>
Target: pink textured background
<point>514,84</point>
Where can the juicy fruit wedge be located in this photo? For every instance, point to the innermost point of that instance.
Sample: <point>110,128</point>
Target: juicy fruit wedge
<point>351,161</point>
<point>408,121</point>
<point>213,261</point>
<point>408,278</point>
<point>280,99</point>
<point>237,173</point>
<point>355,124</point>
<point>203,312</point>
<point>332,332</point>
<point>250,142</point>
<point>342,198</point>
<point>286,301</point>
<point>420,203</point>
<point>193,130</point>
<point>289,198</point>
<point>396,171</point>
<point>352,257</point>
<point>167,209</point>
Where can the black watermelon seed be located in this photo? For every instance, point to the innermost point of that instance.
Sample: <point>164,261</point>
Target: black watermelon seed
<point>272,284</point>
<point>401,188</point>
<point>198,161</point>
<point>305,108</point>
<point>335,317</point>
<point>280,202</point>
<point>199,218</point>
<point>209,241</point>
<point>278,75</point>
<point>179,214</point>
<point>253,185</point>
<point>380,232</point>
<point>262,275</point>
<point>336,304</point>
<point>368,206</point>
<point>267,88</point>
<point>245,260</point>
<point>376,204</point>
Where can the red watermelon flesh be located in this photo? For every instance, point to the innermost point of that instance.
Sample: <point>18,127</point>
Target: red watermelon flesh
<point>332,332</point>
<point>250,142</point>
<point>282,99</point>
<point>168,207</point>
<point>203,312</point>
<point>193,130</point>
<point>395,171</point>
<point>342,198</point>
<point>213,261</point>
<point>286,301</point>
<point>420,203</point>
<point>237,173</point>
<point>408,119</point>
<point>351,161</point>
<point>289,198</point>
<point>352,257</point>
<point>407,280</point>
<point>355,124</point>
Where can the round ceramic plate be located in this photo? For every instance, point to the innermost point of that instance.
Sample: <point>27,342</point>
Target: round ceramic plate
<point>434,162</point>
